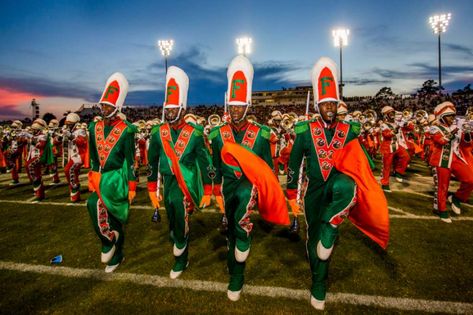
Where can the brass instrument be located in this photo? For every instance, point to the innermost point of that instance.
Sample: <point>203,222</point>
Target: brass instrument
<point>252,118</point>
<point>370,115</point>
<point>315,116</point>
<point>421,116</point>
<point>276,115</point>
<point>287,123</point>
<point>201,121</point>
<point>367,125</point>
<point>469,113</point>
<point>293,115</point>
<point>190,118</point>
<point>355,114</point>
<point>406,114</point>
<point>285,116</point>
<point>362,118</point>
<point>214,120</point>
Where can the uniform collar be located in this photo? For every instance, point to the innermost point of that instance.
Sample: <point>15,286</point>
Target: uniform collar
<point>114,122</point>
<point>243,127</point>
<point>328,126</point>
<point>179,126</point>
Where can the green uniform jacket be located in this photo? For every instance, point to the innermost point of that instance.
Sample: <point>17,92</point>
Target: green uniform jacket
<point>304,146</point>
<point>195,156</point>
<point>261,148</point>
<point>117,171</point>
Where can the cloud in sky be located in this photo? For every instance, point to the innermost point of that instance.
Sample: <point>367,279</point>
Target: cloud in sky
<point>41,86</point>
<point>208,81</point>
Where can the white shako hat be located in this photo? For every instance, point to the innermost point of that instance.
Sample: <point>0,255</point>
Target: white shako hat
<point>324,81</point>
<point>115,91</point>
<point>342,108</point>
<point>177,85</point>
<point>445,109</point>
<point>240,81</point>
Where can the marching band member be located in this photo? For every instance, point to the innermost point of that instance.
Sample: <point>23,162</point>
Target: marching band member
<point>56,142</point>
<point>16,142</point>
<point>177,151</point>
<point>342,111</point>
<point>40,153</point>
<point>340,181</point>
<point>112,175</point>
<point>243,165</point>
<point>76,153</point>
<point>428,137</point>
<point>447,158</point>
<point>393,149</point>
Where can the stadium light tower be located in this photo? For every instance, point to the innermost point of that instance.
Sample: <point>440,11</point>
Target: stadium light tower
<point>439,25</point>
<point>340,39</point>
<point>244,45</point>
<point>165,46</point>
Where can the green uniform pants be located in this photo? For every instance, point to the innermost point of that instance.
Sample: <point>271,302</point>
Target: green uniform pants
<point>104,223</point>
<point>177,217</point>
<point>239,199</point>
<point>326,207</point>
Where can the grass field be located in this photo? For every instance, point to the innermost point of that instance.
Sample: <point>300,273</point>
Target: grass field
<point>426,260</point>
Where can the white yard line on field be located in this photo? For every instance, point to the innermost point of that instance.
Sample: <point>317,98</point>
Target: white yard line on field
<point>404,214</point>
<point>404,304</point>
<point>425,195</point>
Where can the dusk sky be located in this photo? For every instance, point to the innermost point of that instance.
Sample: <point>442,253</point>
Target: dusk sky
<point>62,52</point>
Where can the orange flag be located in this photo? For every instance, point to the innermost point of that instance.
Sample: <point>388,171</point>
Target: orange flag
<point>271,201</point>
<point>370,214</point>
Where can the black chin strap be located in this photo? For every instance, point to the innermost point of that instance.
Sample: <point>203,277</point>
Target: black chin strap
<point>177,117</point>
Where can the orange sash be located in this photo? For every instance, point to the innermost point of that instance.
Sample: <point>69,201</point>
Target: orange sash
<point>174,153</point>
<point>106,145</point>
<point>325,150</point>
<point>182,141</point>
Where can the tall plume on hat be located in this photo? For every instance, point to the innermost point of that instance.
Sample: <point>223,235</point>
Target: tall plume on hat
<point>324,81</point>
<point>240,80</point>
<point>177,86</point>
<point>115,91</point>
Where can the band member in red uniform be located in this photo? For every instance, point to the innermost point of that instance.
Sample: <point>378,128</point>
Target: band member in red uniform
<point>393,149</point>
<point>40,154</point>
<point>448,140</point>
<point>76,153</point>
